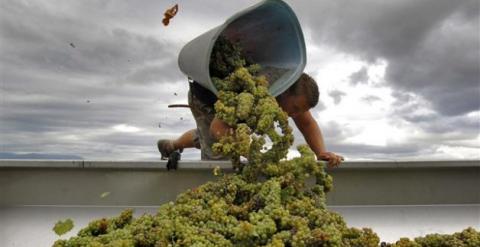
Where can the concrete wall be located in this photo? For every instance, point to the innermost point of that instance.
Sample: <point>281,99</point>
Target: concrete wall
<point>134,183</point>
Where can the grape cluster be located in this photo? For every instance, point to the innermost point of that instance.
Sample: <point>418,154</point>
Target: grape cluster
<point>267,202</point>
<point>245,103</point>
<point>469,237</point>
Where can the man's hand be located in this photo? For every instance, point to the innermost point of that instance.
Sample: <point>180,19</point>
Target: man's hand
<point>333,159</point>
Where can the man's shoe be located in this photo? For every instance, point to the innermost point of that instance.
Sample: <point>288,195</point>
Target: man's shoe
<point>173,160</point>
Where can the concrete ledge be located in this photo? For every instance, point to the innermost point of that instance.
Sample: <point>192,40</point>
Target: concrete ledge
<point>34,182</point>
<point>196,164</point>
<point>6,163</point>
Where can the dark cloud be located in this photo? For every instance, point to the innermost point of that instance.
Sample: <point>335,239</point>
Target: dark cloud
<point>39,42</point>
<point>436,129</point>
<point>71,69</point>
<point>445,70</point>
<point>359,77</point>
<point>431,47</point>
<point>442,127</point>
<point>150,74</point>
<point>36,122</point>
<point>371,99</point>
<point>337,96</point>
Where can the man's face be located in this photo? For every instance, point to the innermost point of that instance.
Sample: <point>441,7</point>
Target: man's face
<point>293,105</point>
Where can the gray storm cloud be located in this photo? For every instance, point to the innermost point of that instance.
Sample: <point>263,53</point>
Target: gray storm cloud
<point>70,70</point>
<point>359,77</point>
<point>337,96</point>
<point>431,46</point>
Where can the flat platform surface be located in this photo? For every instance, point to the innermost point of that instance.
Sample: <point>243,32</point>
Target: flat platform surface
<point>149,183</point>
<point>26,226</point>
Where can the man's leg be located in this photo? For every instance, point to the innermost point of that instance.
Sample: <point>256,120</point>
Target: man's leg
<point>204,115</point>
<point>186,140</point>
<point>199,138</point>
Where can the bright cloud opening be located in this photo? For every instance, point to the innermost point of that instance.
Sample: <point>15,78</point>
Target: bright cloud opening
<point>126,128</point>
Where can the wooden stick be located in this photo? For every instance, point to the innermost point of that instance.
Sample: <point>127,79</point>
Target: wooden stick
<point>178,106</point>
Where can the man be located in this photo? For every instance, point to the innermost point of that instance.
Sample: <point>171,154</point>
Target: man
<point>296,101</point>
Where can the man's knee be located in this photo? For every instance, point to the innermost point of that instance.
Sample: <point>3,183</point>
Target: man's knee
<point>218,129</point>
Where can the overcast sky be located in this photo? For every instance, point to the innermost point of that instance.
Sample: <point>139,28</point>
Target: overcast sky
<point>92,79</point>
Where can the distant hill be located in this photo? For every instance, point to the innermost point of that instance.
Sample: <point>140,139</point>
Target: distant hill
<point>39,156</point>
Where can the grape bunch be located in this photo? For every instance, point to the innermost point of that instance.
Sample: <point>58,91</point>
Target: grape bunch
<point>469,237</point>
<point>244,103</point>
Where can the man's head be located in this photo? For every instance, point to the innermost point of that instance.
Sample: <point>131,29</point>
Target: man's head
<point>299,97</point>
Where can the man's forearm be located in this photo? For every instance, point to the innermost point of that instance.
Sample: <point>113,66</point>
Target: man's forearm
<point>315,141</point>
<point>311,132</point>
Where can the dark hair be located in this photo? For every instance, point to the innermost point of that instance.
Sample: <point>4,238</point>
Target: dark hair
<point>306,86</point>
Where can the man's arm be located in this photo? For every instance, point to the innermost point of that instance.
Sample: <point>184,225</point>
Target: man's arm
<point>313,135</point>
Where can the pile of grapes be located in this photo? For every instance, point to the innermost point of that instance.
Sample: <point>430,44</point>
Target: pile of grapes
<point>266,202</point>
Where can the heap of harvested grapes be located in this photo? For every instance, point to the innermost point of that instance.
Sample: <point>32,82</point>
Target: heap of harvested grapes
<point>266,202</point>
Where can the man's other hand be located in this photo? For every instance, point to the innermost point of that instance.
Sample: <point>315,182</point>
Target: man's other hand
<point>333,159</point>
